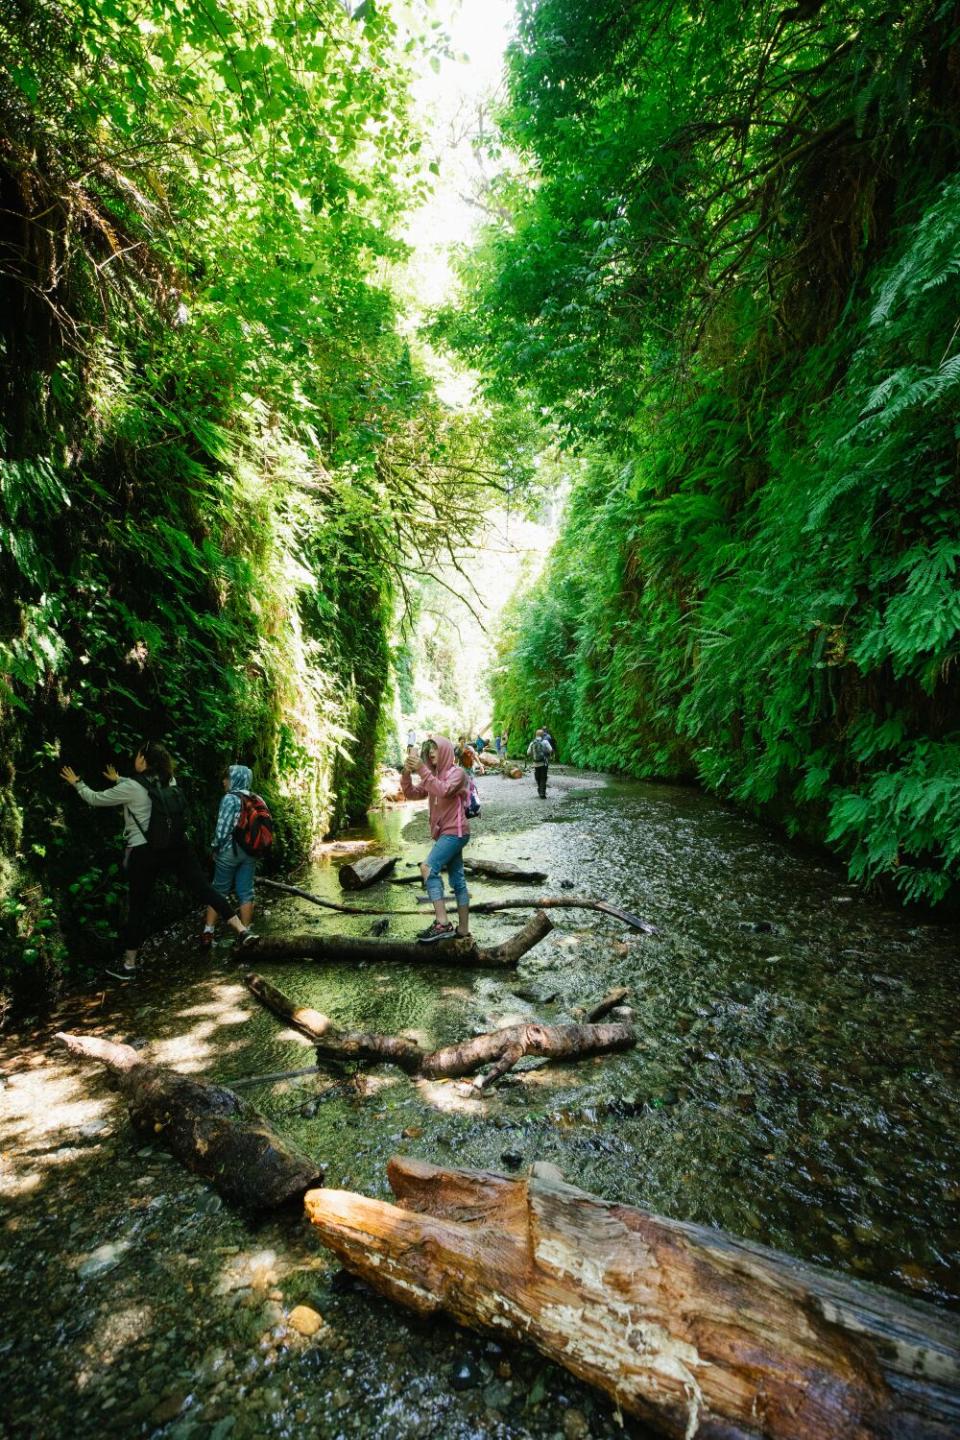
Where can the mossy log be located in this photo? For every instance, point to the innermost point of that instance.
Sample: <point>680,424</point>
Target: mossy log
<point>206,1127</point>
<point>359,874</point>
<point>499,1048</point>
<point>697,1332</point>
<point>405,952</point>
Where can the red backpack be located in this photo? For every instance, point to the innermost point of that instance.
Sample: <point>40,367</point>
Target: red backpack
<point>253,832</point>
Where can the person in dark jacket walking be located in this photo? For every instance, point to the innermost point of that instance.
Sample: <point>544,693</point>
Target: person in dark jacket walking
<point>145,862</point>
<point>539,750</point>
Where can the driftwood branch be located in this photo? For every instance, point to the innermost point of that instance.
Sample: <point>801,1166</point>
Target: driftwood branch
<point>207,1127</point>
<point>499,1048</point>
<point>695,1331</point>
<point>485,907</point>
<point>565,902</point>
<point>406,952</point>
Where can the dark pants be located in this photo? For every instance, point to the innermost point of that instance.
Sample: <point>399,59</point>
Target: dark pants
<point>540,774</point>
<point>144,866</point>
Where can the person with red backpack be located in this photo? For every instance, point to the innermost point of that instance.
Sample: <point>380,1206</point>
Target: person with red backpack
<point>154,822</point>
<point>244,833</point>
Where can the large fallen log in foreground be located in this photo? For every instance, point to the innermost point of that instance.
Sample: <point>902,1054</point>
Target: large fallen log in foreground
<point>209,1129</point>
<point>405,952</point>
<point>697,1332</point>
<point>499,1048</point>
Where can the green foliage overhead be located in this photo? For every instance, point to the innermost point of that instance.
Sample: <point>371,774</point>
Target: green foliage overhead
<point>730,278</point>
<point>217,447</point>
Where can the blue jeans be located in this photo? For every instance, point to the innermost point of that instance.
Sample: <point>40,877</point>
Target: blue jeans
<point>447,854</point>
<point>235,871</point>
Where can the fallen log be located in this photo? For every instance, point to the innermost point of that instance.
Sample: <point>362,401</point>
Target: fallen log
<point>505,1047</point>
<point>405,952</point>
<point>565,902</point>
<point>697,1332</point>
<point>499,1048</point>
<point>206,1127</point>
<point>504,870</point>
<point>360,874</point>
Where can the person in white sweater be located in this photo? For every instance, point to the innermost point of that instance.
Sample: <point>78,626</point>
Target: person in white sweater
<point>148,857</point>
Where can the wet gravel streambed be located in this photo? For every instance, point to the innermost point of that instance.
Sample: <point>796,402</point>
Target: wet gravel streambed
<point>795,1082</point>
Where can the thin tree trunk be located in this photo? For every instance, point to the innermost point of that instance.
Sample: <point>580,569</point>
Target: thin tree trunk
<point>482,907</point>
<point>207,1127</point>
<point>697,1332</point>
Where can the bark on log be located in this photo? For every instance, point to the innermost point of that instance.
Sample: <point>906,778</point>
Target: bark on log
<point>505,1047</point>
<point>697,1332</point>
<point>499,1048</point>
<point>208,1128</point>
<point>405,952</point>
<point>359,874</point>
<point>504,870</point>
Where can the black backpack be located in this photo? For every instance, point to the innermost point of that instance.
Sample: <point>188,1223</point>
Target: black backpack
<point>168,816</point>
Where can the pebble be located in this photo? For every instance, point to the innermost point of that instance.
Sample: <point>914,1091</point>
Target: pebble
<point>575,1426</point>
<point>305,1320</point>
<point>104,1258</point>
<point>464,1375</point>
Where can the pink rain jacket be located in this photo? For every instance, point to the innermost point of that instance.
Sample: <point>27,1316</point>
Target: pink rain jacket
<point>447,791</point>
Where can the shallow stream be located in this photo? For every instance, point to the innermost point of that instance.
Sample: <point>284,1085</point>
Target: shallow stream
<point>795,1082</point>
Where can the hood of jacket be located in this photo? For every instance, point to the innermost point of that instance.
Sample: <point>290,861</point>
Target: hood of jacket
<point>446,759</point>
<point>241,777</point>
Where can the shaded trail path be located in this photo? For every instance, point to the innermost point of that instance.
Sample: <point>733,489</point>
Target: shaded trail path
<point>795,1083</point>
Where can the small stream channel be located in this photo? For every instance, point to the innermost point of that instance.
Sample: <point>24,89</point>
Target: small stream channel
<point>795,1082</point>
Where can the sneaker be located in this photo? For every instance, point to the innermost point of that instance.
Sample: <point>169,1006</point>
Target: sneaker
<point>245,938</point>
<point>206,940</point>
<point>435,932</point>
<point>122,972</point>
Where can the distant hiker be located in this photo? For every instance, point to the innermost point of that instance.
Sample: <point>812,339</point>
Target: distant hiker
<point>467,758</point>
<point>551,742</point>
<point>498,745</point>
<point>479,744</point>
<point>154,826</point>
<point>447,786</point>
<point>244,834</point>
<point>539,750</point>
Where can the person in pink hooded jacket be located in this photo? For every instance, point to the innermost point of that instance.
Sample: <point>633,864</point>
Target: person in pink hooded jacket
<point>447,788</point>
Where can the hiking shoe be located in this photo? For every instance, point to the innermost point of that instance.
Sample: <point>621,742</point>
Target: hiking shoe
<point>436,931</point>
<point>122,972</point>
<point>246,937</point>
<point>206,940</point>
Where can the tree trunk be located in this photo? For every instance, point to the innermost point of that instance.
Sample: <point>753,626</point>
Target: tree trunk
<point>208,1128</point>
<point>404,952</point>
<point>361,873</point>
<point>697,1332</point>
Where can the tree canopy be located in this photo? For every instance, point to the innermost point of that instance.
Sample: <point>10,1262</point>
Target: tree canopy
<point>727,273</point>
